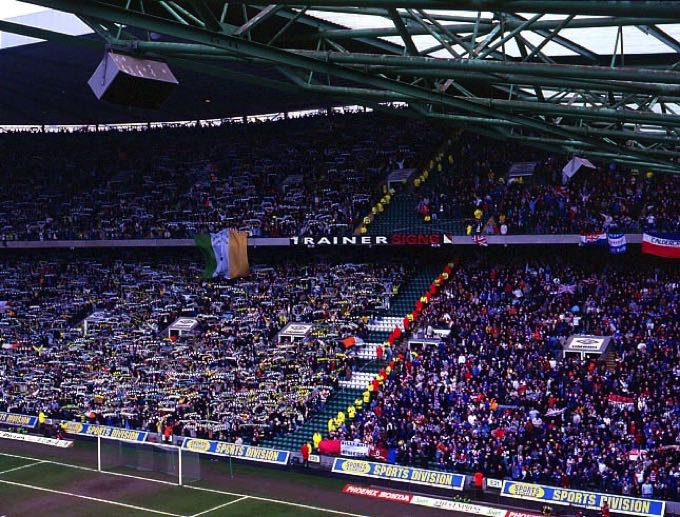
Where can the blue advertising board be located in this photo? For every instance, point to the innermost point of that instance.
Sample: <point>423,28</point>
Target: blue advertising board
<point>581,499</point>
<point>104,431</point>
<point>398,473</point>
<point>233,450</point>
<point>18,420</point>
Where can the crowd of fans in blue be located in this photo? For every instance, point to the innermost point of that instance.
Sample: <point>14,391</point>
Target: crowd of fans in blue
<point>478,189</point>
<point>497,395</point>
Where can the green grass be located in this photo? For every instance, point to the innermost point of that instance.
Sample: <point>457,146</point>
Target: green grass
<point>34,490</point>
<point>11,497</point>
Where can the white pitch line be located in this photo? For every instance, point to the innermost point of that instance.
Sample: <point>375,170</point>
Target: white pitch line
<point>21,467</point>
<point>221,506</point>
<point>87,497</point>
<point>190,487</point>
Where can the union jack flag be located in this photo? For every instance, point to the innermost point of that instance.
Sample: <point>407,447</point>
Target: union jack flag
<point>480,240</point>
<point>593,239</point>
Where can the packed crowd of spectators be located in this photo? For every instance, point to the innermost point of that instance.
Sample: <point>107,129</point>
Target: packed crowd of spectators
<point>476,187</point>
<point>496,394</point>
<point>88,340</point>
<point>308,176</point>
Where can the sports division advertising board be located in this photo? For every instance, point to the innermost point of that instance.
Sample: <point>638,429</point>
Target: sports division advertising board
<point>582,499</point>
<point>233,450</point>
<point>398,473</point>
<point>18,420</point>
<point>104,431</point>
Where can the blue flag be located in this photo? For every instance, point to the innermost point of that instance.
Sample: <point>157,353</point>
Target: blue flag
<point>617,243</point>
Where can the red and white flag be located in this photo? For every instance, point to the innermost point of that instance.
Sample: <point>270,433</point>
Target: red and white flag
<point>665,245</point>
<point>480,240</point>
<point>351,341</point>
<point>621,402</point>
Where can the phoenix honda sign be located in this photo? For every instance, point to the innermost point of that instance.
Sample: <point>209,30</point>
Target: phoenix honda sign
<point>396,239</point>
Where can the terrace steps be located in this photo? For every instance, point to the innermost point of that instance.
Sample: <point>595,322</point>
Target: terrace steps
<point>366,366</point>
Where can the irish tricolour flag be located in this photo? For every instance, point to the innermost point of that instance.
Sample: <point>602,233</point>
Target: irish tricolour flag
<point>225,253</point>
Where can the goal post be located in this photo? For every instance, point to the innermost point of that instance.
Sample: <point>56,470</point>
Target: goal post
<point>156,461</point>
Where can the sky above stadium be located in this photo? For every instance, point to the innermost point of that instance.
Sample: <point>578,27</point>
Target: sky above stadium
<point>599,40</point>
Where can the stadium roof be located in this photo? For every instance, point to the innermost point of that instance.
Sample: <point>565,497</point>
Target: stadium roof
<point>589,77</point>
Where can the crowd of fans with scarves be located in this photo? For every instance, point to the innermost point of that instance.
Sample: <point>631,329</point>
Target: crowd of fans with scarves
<point>231,379</point>
<point>314,176</point>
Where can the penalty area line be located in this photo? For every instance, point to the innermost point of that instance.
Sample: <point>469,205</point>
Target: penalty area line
<point>221,506</point>
<point>21,467</point>
<point>88,498</point>
<point>190,487</point>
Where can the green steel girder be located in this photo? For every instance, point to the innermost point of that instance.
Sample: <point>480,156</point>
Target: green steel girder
<point>498,67</point>
<point>600,113</point>
<point>555,106</point>
<point>205,51</point>
<point>486,27</point>
<point>656,8</point>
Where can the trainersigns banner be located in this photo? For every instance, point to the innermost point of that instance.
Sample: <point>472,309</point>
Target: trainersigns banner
<point>104,431</point>
<point>18,420</point>
<point>396,239</point>
<point>398,473</point>
<point>245,452</point>
<point>581,499</point>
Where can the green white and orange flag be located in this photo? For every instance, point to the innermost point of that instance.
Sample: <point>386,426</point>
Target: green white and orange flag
<point>225,253</point>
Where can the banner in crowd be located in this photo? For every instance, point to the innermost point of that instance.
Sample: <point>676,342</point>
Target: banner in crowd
<point>582,499</point>
<point>343,448</point>
<point>665,245</point>
<point>593,239</point>
<point>573,166</point>
<point>225,254</point>
<point>104,431</point>
<point>617,243</point>
<point>18,420</point>
<point>396,239</point>
<point>620,401</point>
<point>355,449</point>
<point>233,450</point>
<point>398,473</point>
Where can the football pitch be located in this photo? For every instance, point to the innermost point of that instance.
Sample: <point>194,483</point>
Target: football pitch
<point>31,485</point>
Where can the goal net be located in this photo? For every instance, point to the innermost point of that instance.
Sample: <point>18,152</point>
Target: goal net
<point>149,460</point>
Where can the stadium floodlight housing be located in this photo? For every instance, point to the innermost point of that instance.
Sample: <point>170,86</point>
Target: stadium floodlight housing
<point>132,80</point>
